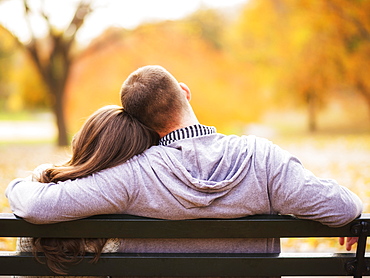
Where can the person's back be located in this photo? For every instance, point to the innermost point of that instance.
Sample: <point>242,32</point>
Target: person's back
<point>226,176</point>
<point>218,176</point>
<point>159,101</point>
<point>201,175</point>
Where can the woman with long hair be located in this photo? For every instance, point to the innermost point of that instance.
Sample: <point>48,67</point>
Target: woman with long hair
<point>109,137</point>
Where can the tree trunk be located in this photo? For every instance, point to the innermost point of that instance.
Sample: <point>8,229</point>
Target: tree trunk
<point>62,139</point>
<point>56,76</point>
<point>312,110</point>
<point>365,93</point>
<point>56,90</point>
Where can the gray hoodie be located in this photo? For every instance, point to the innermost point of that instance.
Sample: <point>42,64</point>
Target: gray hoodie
<point>201,176</point>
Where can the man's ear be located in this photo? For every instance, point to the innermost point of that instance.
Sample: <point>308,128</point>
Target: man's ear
<point>186,89</point>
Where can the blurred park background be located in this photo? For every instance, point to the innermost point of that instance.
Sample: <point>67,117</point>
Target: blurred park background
<point>296,72</point>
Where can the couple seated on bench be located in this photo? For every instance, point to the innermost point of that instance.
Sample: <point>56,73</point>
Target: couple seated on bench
<point>153,158</point>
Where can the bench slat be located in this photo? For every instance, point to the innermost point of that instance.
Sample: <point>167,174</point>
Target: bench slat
<point>191,265</point>
<point>120,264</point>
<point>126,226</point>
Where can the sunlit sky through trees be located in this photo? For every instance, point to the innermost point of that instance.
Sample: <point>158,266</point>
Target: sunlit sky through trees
<point>107,13</point>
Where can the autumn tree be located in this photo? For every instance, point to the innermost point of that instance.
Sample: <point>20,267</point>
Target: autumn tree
<point>352,33</point>
<point>208,24</point>
<point>6,52</point>
<point>311,71</point>
<point>335,52</point>
<point>221,95</point>
<point>306,51</point>
<point>53,57</point>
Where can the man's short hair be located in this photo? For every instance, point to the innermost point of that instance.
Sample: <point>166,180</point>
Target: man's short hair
<point>154,97</point>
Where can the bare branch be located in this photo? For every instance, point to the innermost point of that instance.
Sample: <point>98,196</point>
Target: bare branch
<point>47,20</point>
<point>82,11</point>
<point>27,18</point>
<point>31,47</point>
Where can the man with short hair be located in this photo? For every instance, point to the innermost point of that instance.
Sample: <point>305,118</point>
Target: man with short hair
<point>153,96</point>
<point>195,172</point>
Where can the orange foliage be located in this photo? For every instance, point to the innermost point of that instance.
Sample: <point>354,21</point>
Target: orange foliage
<point>307,52</point>
<point>277,51</point>
<point>20,84</point>
<point>220,87</point>
<point>273,52</point>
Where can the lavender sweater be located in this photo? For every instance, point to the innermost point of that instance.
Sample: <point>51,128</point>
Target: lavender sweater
<point>209,176</point>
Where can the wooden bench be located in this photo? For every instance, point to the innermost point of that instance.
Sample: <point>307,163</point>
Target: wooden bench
<point>159,264</point>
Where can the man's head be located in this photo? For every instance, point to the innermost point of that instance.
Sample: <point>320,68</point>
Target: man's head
<point>156,98</point>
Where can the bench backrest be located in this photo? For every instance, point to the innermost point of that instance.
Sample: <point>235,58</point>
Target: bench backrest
<point>158,264</point>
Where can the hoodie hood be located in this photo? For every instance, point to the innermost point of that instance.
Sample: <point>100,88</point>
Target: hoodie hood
<point>207,167</point>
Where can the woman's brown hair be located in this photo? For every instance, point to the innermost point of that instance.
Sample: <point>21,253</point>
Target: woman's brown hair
<point>109,137</point>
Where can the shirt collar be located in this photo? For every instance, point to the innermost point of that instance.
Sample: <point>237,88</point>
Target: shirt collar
<point>186,132</point>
